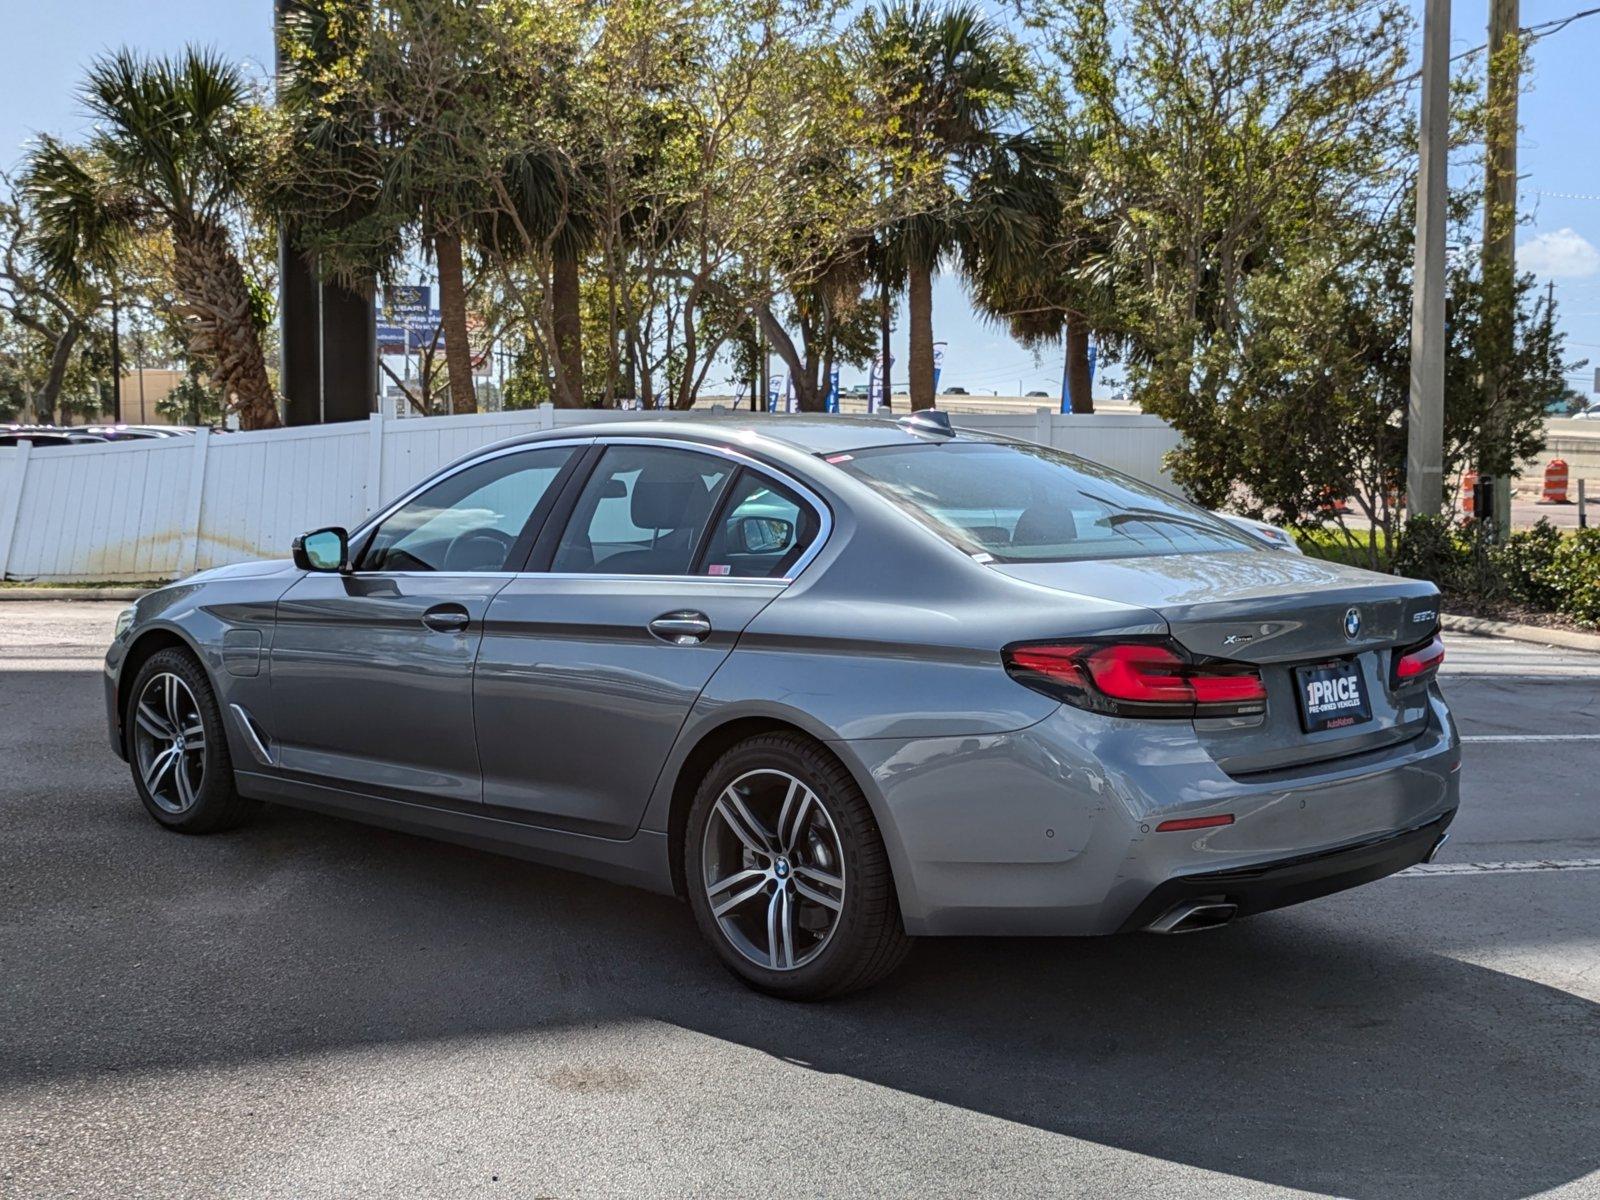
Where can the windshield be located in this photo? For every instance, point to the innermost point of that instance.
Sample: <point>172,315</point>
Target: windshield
<point>1024,503</point>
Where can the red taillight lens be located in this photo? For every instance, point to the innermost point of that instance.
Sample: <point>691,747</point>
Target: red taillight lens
<point>1137,679</point>
<point>1416,664</point>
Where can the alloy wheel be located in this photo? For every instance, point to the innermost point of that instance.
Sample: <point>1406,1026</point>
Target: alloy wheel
<point>773,869</point>
<point>169,741</point>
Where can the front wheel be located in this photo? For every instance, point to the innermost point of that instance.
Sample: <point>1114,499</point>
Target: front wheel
<point>178,748</point>
<point>787,874</point>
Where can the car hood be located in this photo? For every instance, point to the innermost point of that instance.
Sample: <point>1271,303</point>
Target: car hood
<point>1252,605</point>
<point>244,570</point>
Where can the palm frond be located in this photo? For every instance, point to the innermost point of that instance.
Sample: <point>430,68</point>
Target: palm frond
<point>82,217</point>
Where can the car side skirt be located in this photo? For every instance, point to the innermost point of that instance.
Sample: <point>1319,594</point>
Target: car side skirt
<point>639,861</point>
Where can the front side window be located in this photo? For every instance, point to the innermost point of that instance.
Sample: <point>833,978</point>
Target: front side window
<point>762,531</point>
<point>642,512</point>
<point>1021,503</point>
<point>468,521</point>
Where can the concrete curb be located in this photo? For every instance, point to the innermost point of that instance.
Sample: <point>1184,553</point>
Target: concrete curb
<point>72,593</point>
<point>1568,638</point>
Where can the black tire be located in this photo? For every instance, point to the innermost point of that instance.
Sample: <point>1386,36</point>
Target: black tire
<point>867,939</point>
<point>211,801</point>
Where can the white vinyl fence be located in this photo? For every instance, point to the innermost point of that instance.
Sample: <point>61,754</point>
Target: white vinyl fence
<point>163,508</point>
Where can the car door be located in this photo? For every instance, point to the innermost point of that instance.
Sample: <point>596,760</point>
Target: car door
<point>371,669</point>
<point>592,659</point>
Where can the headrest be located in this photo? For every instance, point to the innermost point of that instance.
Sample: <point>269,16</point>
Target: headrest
<point>664,495</point>
<point>1045,526</point>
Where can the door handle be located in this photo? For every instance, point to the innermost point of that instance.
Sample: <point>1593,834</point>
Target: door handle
<point>682,628</point>
<point>446,618</point>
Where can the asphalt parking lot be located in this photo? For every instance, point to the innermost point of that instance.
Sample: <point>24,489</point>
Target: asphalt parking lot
<point>309,1008</point>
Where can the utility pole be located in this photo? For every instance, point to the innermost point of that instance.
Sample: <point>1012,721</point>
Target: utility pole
<point>1499,246</point>
<point>1425,413</point>
<point>116,356</point>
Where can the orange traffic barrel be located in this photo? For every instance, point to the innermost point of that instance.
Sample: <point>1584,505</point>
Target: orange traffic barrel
<point>1469,484</point>
<point>1555,483</point>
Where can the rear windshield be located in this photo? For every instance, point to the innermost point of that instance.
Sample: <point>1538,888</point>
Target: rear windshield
<point>1021,503</point>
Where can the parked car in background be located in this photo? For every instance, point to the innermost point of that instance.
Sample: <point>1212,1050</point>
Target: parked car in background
<point>1592,413</point>
<point>1037,392</point>
<point>838,682</point>
<point>954,391</point>
<point>45,436</point>
<point>1275,536</point>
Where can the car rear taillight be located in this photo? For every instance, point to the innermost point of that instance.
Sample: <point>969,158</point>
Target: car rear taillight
<point>1417,664</point>
<point>1136,679</point>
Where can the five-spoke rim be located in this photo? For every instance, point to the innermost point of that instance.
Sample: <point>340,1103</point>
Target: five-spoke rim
<point>169,741</point>
<point>773,869</point>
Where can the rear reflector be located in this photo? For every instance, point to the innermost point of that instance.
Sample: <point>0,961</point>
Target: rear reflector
<point>1137,679</point>
<point>1183,823</point>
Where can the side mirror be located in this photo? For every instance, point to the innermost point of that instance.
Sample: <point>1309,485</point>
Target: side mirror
<point>323,550</point>
<point>765,535</point>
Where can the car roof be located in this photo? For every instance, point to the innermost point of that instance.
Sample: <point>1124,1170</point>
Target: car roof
<point>811,433</point>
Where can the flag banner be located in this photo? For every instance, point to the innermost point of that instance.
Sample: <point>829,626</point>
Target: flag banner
<point>938,365</point>
<point>772,394</point>
<point>831,404</point>
<point>788,393</point>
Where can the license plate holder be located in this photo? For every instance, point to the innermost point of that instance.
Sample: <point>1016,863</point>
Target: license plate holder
<point>1332,695</point>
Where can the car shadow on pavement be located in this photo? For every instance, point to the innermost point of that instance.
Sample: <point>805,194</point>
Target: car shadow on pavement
<point>1303,1049</point>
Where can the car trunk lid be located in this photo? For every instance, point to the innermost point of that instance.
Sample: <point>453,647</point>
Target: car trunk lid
<point>1289,615</point>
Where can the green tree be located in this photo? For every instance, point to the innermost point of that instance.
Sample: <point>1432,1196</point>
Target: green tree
<point>174,151</point>
<point>947,80</point>
<point>1232,142</point>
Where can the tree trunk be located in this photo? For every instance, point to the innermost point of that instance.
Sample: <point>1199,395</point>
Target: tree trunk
<point>885,327</point>
<point>49,396</point>
<point>453,320</point>
<point>214,305</point>
<point>919,302</point>
<point>565,300</point>
<point>1080,389</point>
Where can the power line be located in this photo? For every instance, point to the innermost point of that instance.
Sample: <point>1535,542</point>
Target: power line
<point>1533,33</point>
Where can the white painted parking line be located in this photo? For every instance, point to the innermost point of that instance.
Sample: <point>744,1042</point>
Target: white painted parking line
<point>1531,737</point>
<point>1504,868</point>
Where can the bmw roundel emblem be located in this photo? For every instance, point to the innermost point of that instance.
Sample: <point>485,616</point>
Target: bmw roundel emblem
<point>1352,623</point>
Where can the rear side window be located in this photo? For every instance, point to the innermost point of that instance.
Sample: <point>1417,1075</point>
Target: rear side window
<point>1021,503</point>
<point>762,531</point>
<point>642,512</point>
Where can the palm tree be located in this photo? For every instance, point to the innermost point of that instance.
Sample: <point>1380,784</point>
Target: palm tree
<point>170,154</point>
<point>1031,255</point>
<point>948,79</point>
<point>547,204</point>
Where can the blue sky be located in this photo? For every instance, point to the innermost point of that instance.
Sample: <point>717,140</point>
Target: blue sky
<point>47,44</point>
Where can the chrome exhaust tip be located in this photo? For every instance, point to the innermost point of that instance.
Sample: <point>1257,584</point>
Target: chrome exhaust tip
<point>1191,916</point>
<point>1437,846</point>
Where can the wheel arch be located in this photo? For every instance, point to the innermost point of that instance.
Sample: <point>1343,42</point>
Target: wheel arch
<point>141,650</point>
<point>711,743</point>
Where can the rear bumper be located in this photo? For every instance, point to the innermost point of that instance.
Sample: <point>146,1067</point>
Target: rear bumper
<point>1053,829</point>
<point>1286,881</point>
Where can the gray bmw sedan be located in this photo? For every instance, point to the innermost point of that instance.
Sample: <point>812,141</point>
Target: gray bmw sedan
<point>837,682</point>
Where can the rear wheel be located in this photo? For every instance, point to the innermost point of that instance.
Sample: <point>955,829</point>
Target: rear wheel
<point>178,748</point>
<point>787,874</point>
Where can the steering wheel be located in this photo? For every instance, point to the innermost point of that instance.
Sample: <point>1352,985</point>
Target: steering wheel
<point>478,550</point>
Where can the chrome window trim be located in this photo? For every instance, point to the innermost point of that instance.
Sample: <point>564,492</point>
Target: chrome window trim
<point>818,506</point>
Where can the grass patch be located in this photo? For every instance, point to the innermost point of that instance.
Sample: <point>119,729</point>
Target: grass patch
<point>1331,543</point>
